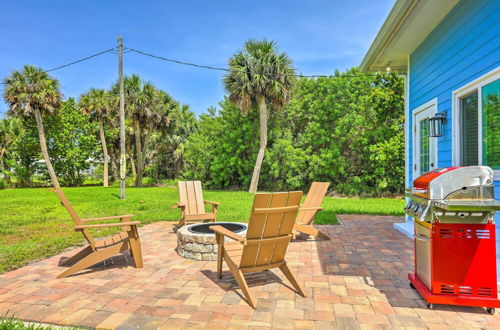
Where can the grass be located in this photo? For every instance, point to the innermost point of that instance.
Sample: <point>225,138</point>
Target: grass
<point>33,225</point>
<point>11,323</point>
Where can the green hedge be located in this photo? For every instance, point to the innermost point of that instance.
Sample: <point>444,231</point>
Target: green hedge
<point>347,129</point>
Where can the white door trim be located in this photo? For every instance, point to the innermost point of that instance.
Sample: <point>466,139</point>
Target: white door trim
<point>428,109</point>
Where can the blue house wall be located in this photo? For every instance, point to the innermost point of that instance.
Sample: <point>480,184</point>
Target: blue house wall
<point>463,47</point>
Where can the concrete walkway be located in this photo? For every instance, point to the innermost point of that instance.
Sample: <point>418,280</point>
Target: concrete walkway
<point>356,280</point>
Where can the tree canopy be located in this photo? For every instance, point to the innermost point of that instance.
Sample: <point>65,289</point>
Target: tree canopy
<point>346,129</point>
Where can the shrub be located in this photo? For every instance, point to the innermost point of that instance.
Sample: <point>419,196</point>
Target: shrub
<point>346,129</point>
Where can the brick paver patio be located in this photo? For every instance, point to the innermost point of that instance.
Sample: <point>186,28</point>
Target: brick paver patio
<point>356,280</point>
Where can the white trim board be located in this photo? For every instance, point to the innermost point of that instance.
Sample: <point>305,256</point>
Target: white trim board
<point>428,109</point>
<point>470,87</point>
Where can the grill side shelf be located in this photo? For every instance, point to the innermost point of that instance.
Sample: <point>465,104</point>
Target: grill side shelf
<point>476,205</point>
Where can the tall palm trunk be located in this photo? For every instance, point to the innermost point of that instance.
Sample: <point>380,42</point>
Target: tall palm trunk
<point>132,165</point>
<point>105,175</point>
<point>138,153</point>
<point>145,146</point>
<point>112,162</point>
<point>261,101</point>
<point>43,146</point>
<point>6,176</point>
<point>5,166</point>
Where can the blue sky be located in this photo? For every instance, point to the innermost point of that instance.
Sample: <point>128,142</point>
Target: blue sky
<point>320,36</point>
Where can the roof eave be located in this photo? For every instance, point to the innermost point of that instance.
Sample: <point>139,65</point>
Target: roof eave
<point>387,32</point>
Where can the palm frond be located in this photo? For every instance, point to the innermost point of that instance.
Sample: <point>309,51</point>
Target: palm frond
<point>259,69</point>
<point>31,88</point>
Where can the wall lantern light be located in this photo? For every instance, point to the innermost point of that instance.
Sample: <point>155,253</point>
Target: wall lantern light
<point>436,124</point>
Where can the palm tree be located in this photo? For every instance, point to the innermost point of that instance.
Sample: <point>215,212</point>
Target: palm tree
<point>167,156</point>
<point>146,108</point>
<point>259,75</point>
<point>32,91</point>
<point>97,103</point>
<point>9,130</point>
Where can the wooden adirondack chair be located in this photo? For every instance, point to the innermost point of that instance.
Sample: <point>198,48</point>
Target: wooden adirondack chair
<point>264,247</point>
<point>308,210</point>
<point>192,204</point>
<point>97,251</point>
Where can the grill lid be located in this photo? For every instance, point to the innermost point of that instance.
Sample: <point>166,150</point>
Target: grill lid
<point>440,183</point>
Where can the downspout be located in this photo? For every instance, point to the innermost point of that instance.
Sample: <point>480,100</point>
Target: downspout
<point>406,78</point>
<point>407,226</point>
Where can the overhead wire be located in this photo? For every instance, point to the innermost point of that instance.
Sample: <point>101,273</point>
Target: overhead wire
<point>114,50</point>
<point>76,62</point>
<point>80,60</point>
<point>209,67</point>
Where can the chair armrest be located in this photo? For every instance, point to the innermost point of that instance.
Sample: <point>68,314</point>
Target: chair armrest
<point>103,225</point>
<point>224,232</point>
<point>209,202</point>
<point>316,208</point>
<point>126,216</point>
<point>178,205</point>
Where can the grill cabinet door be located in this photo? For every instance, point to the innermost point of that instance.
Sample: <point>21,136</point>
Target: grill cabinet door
<point>464,260</point>
<point>423,254</point>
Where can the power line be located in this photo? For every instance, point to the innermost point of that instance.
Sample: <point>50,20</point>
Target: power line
<point>177,61</point>
<point>81,60</point>
<point>202,66</point>
<point>228,70</point>
<point>75,62</point>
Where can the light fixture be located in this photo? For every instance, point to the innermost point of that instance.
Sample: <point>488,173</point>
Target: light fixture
<point>436,124</point>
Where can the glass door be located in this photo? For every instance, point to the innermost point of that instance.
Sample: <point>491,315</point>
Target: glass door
<point>425,147</point>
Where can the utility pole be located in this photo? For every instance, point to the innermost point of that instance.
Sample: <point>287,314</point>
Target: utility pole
<point>123,167</point>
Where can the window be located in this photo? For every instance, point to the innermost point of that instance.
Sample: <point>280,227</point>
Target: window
<point>491,124</point>
<point>476,122</point>
<point>470,130</point>
<point>424,146</point>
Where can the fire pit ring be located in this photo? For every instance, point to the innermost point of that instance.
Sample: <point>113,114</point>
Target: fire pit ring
<point>198,242</point>
<point>204,228</point>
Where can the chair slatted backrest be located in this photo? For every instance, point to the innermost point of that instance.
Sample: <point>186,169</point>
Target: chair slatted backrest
<point>191,195</point>
<point>76,218</point>
<point>314,198</point>
<point>269,228</point>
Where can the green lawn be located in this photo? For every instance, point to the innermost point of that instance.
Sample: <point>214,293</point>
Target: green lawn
<point>8,322</point>
<point>33,225</point>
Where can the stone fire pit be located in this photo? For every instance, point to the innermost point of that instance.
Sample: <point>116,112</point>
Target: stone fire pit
<point>198,242</point>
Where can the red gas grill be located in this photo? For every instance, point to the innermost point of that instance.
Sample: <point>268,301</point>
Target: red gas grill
<point>455,253</point>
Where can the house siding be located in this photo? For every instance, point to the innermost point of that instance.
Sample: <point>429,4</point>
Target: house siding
<point>463,47</point>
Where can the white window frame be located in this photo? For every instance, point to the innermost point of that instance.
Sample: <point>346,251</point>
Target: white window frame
<point>475,85</point>
<point>430,107</point>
